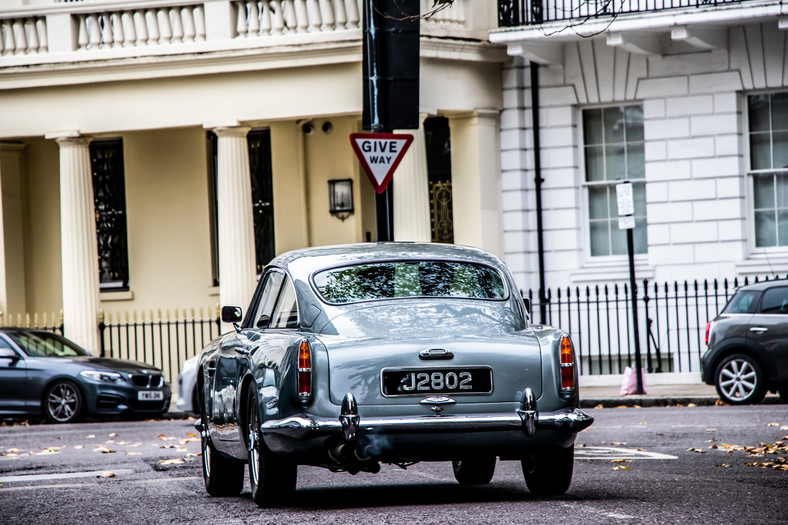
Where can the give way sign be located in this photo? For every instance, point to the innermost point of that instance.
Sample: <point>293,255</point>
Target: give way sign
<point>380,154</point>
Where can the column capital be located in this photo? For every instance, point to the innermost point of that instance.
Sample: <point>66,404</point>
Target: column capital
<point>69,137</point>
<point>231,131</point>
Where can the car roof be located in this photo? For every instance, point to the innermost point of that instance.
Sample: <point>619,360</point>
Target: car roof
<point>305,261</point>
<point>764,285</point>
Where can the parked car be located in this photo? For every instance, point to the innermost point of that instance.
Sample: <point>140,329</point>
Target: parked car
<point>188,400</point>
<point>45,374</point>
<point>349,356</point>
<point>747,342</point>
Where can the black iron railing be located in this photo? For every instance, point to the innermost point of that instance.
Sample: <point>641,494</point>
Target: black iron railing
<point>673,318</point>
<point>512,13</point>
<point>163,340</point>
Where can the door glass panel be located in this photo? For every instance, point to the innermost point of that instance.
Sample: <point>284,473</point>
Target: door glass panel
<point>273,282</point>
<point>286,311</point>
<point>775,301</point>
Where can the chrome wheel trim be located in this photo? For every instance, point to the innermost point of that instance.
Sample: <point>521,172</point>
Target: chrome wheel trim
<point>63,402</point>
<point>254,450</point>
<point>738,379</point>
<point>206,457</point>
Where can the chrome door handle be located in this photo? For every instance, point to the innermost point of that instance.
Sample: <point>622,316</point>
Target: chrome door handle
<point>759,329</point>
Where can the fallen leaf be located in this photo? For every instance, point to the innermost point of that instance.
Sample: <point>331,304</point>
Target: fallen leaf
<point>711,430</point>
<point>600,405</point>
<point>621,460</point>
<point>618,443</point>
<point>698,450</point>
<point>724,465</point>
<point>106,474</point>
<point>192,435</point>
<point>103,450</point>
<point>133,453</point>
<point>78,447</point>
<point>173,461</point>
<point>113,435</point>
<point>621,467</point>
<point>92,436</point>
<point>773,425</point>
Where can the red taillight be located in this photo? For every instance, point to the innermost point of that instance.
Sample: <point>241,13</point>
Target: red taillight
<point>567,364</point>
<point>304,369</point>
<point>708,331</point>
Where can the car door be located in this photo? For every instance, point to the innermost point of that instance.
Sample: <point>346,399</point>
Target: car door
<point>768,328</point>
<point>231,364</point>
<point>274,338</point>
<point>13,380</point>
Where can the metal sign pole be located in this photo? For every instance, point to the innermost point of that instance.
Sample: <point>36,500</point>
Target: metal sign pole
<point>626,221</point>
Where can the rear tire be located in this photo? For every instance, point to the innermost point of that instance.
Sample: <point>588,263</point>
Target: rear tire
<point>223,476</point>
<point>272,478</point>
<point>474,471</point>
<point>740,381</point>
<point>548,470</point>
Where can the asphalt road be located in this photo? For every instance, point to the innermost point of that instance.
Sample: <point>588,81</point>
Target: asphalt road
<point>648,465</point>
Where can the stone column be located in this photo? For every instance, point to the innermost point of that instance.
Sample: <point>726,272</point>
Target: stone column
<point>237,274</point>
<point>476,183</point>
<point>78,242</point>
<point>411,191</point>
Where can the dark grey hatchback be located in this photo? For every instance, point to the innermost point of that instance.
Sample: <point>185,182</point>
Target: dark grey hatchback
<point>747,353</point>
<point>45,374</point>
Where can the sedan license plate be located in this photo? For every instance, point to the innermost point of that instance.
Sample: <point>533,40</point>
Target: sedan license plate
<point>418,381</point>
<point>153,395</point>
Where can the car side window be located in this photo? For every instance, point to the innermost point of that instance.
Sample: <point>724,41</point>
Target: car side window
<point>775,301</point>
<point>743,302</point>
<point>286,311</point>
<point>271,287</point>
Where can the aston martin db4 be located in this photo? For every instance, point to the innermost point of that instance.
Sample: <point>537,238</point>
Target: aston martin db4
<point>352,356</point>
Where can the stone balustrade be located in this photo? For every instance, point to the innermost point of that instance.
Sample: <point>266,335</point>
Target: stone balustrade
<point>92,30</point>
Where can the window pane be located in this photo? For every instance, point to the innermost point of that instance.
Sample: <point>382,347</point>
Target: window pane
<point>782,228</point>
<point>597,202</point>
<point>760,151</point>
<point>765,230</point>
<point>618,239</point>
<point>763,191</point>
<point>780,149</point>
<point>614,124</point>
<point>639,196</point>
<point>782,190</point>
<point>640,237</point>
<point>599,238</point>
<point>636,161</point>
<point>634,115</point>
<point>758,106</point>
<point>592,127</point>
<point>595,164</point>
<point>615,163</point>
<point>780,112</point>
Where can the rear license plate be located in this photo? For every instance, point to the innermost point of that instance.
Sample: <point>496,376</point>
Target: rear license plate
<point>418,381</point>
<point>153,395</point>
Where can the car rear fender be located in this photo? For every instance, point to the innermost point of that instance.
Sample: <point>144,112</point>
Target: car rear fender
<point>553,396</point>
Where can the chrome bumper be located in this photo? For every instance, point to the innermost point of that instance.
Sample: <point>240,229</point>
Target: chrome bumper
<point>526,418</point>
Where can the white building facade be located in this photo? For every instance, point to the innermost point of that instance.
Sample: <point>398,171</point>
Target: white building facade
<point>687,102</point>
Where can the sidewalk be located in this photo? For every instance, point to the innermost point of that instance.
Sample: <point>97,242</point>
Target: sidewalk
<point>656,395</point>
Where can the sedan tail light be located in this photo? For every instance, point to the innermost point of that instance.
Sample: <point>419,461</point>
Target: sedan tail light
<point>567,364</point>
<point>304,370</point>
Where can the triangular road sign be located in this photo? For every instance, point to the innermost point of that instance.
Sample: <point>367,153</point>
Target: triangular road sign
<point>380,154</point>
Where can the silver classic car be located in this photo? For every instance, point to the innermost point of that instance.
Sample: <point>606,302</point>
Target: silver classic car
<point>350,356</point>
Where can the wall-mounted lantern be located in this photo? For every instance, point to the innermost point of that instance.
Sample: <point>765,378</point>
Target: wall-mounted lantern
<point>340,196</point>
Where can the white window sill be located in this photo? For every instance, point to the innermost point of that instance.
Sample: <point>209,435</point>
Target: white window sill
<point>612,269</point>
<point>128,295</point>
<point>764,263</point>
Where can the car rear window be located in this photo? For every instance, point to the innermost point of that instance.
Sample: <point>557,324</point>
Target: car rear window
<point>775,301</point>
<point>385,280</point>
<point>742,302</point>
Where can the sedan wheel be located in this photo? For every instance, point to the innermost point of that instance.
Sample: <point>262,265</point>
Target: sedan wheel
<point>740,381</point>
<point>474,471</point>
<point>222,476</point>
<point>273,479</point>
<point>548,470</point>
<point>62,402</point>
